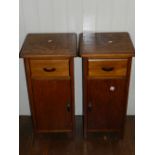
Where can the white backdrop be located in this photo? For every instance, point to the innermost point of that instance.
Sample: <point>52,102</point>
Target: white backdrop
<point>74,16</point>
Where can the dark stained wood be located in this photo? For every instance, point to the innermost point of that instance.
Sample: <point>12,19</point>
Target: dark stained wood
<point>54,45</point>
<point>30,91</point>
<point>126,92</point>
<point>71,72</point>
<point>85,94</point>
<point>106,45</point>
<point>110,106</point>
<point>106,74</point>
<point>61,144</point>
<point>49,71</point>
<point>52,103</point>
<point>105,107</point>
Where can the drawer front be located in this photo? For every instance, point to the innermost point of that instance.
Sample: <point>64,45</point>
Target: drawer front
<point>107,67</point>
<point>49,68</point>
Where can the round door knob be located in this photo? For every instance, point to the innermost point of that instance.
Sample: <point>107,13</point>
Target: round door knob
<point>49,41</point>
<point>112,88</point>
<point>110,41</point>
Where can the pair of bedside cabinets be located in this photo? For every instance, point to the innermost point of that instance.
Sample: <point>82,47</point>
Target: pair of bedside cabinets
<point>49,66</point>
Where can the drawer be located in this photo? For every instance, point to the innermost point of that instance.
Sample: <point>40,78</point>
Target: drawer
<point>107,67</point>
<point>49,68</point>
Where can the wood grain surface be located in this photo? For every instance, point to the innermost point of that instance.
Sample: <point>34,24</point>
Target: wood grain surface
<point>62,144</point>
<point>49,45</point>
<point>106,61</point>
<point>49,68</point>
<point>106,45</point>
<point>107,67</point>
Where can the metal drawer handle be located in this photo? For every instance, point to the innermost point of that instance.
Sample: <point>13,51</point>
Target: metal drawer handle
<point>108,69</point>
<point>49,69</point>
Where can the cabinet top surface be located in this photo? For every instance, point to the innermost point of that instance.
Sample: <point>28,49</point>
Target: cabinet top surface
<point>117,44</point>
<point>49,45</point>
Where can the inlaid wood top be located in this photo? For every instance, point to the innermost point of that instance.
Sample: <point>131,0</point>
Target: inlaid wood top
<point>117,45</point>
<point>49,45</point>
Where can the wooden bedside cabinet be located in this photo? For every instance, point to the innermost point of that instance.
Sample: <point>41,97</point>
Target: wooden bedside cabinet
<point>106,59</point>
<point>49,71</point>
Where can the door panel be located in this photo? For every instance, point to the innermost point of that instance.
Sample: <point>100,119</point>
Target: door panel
<point>52,103</point>
<point>106,102</point>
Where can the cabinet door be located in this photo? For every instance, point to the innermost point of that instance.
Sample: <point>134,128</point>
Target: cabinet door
<point>106,104</point>
<point>52,104</point>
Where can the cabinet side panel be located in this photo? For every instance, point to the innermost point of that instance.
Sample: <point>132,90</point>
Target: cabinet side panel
<point>85,95</point>
<point>30,93</point>
<point>71,70</point>
<point>126,93</point>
